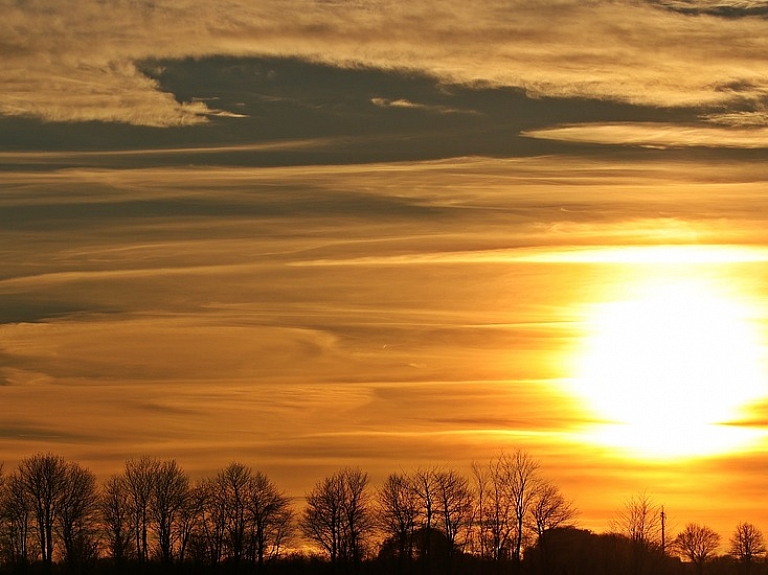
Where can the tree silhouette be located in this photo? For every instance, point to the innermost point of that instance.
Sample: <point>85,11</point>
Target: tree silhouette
<point>454,505</point>
<point>747,544</point>
<point>338,516</point>
<point>232,487</point>
<point>16,523</point>
<point>271,518</point>
<point>524,482</point>
<point>494,512</point>
<point>397,514</point>
<point>150,520</point>
<point>640,521</point>
<point>43,479</point>
<point>117,520</point>
<point>696,543</point>
<point>425,487</point>
<point>77,510</point>
<point>138,479</point>
<point>506,491</point>
<point>549,510</point>
<point>211,525</point>
<point>169,495</point>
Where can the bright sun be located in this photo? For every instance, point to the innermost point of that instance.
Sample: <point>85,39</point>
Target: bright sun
<point>667,371</point>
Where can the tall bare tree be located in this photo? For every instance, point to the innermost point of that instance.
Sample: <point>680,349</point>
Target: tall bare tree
<point>524,482</point>
<point>338,515</point>
<point>76,515</point>
<point>139,477</point>
<point>43,477</point>
<point>506,491</point>
<point>454,507</point>
<point>357,511</point>
<point>117,519</point>
<point>549,510</point>
<point>271,517</point>
<point>189,520</point>
<point>233,486</point>
<point>747,544</point>
<point>397,513</point>
<point>426,489</point>
<point>640,521</point>
<point>697,543</point>
<point>210,535</point>
<point>16,510</point>
<point>495,509</point>
<point>323,517</point>
<point>169,494</point>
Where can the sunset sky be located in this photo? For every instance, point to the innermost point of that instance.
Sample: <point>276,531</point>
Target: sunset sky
<point>303,234</point>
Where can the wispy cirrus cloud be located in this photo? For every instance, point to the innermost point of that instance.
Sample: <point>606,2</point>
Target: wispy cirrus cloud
<point>748,132</point>
<point>407,104</point>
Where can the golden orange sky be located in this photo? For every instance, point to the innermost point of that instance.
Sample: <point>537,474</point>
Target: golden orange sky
<point>436,327</point>
<point>309,234</point>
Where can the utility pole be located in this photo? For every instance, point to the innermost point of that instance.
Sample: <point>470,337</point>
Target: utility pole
<point>663,532</point>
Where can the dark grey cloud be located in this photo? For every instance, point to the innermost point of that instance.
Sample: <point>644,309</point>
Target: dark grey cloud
<point>289,100</point>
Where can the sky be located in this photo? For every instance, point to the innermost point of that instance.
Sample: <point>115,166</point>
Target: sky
<point>303,234</point>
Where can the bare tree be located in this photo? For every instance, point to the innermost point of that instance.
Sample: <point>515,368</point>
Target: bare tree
<point>357,512</point>
<point>507,489</point>
<point>495,510</point>
<point>211,532</point>
<point>747,544</point>
<point>338,515</point>
<point>43,477</point>
<point>169,495</point>
<point>524,482</point>
<point>323,517</point>
<point>139,476</point>
<point>549,510</point>
<point>271,518</point>
<point>454,506</point>
<point>117,519</point>
<point>397,513</point>
<point>425,487</point>
<point>233,486</point>
<point>76,513</point>
<point>640,522</point>
<point>696,543</point>
<point>189,520</point>
<point>16,521</point>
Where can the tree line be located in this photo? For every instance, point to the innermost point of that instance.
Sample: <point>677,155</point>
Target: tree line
<point>504,517</point>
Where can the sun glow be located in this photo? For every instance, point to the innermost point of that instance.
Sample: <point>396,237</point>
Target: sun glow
<point>669,371</point>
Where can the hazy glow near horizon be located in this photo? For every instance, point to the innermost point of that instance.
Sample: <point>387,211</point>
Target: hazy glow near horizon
<point>670,367</point>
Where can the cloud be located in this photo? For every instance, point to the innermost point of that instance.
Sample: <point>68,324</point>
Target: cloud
<point>407,104</point>
<point>725,8</point>
<point>81,62</point>
<point>754,119</point>
<point>74,157</point>
<point>660,135</point>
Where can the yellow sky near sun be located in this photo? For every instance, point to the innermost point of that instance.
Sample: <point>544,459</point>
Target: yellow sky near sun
<point>386,316</point>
